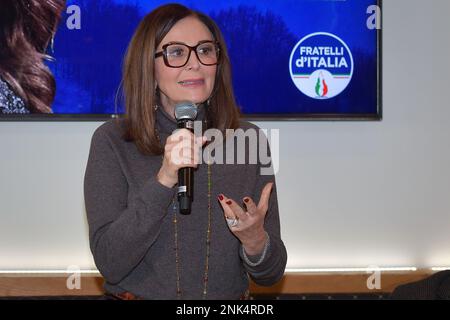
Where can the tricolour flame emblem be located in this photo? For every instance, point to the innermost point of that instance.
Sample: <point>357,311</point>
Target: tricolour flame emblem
<point>321,86</point>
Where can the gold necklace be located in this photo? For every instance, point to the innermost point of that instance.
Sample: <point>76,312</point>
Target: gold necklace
<point>208,232</point>
<point>208,241</point>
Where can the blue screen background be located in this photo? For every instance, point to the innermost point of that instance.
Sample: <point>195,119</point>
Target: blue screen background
<point>260,36</point>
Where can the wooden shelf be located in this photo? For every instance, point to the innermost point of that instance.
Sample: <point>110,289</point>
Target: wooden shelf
<point>20,285</point>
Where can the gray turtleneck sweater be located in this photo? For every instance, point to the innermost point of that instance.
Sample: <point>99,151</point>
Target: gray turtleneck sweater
<point>131,229</point>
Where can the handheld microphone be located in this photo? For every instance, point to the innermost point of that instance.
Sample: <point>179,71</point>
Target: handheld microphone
<point>185,113</point>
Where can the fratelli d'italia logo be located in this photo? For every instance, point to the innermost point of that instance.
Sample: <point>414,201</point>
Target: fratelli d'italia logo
<point>321,65</point>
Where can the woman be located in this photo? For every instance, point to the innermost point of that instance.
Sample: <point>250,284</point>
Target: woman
<point>141,244</point>
<point>27,28</point>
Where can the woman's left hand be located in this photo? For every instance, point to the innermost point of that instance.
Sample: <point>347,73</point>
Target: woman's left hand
<point>248,225</point>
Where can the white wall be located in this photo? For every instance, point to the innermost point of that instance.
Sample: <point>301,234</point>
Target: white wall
<point>352,194</point>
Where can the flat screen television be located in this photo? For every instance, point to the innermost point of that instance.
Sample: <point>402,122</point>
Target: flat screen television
<point>291,59</point>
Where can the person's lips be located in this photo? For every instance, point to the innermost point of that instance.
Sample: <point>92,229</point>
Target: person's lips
<point>192,82</point>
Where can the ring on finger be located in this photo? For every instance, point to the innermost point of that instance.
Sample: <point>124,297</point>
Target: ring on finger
<point>232,222</point>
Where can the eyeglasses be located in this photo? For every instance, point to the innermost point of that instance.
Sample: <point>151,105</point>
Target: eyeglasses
<point>177,54</point>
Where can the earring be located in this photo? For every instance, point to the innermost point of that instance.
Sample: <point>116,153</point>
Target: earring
<point>52,44</point>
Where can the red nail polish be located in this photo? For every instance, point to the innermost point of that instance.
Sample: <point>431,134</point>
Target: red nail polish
<point>246,200</point>
<point>228,202</point>
<point>220,197</point>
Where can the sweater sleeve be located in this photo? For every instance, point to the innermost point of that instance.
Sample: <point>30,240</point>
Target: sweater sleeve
<point>121,230</point>
<point>270,268</point>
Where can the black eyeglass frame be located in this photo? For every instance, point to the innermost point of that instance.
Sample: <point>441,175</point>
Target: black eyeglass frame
<point>163,53</point>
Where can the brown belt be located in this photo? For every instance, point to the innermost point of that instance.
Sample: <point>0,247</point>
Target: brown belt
<point>124,296</point>
<point>130,296</point>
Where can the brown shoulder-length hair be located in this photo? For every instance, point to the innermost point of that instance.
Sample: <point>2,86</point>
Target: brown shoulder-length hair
<point>26,28</point>
<point>138,83</point>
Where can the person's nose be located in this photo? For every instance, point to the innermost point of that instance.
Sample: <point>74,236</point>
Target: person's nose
<point>193,62</point>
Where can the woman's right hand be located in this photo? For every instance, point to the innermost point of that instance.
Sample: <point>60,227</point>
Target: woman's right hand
<point>182,150</point>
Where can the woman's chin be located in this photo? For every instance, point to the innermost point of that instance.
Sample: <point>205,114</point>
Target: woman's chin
<point>197,99</point>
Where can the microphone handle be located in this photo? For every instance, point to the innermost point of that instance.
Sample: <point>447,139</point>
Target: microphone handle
<point>185,188</point>
<point>185,180</point>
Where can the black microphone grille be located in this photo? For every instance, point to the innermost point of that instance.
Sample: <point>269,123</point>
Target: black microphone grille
<point>186,111</point>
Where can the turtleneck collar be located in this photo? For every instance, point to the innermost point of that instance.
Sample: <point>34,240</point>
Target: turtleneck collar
<point>165,123</point>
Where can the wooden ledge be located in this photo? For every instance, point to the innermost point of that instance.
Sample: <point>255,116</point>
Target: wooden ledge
<point>317,283</point>
<point>20,285</point>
